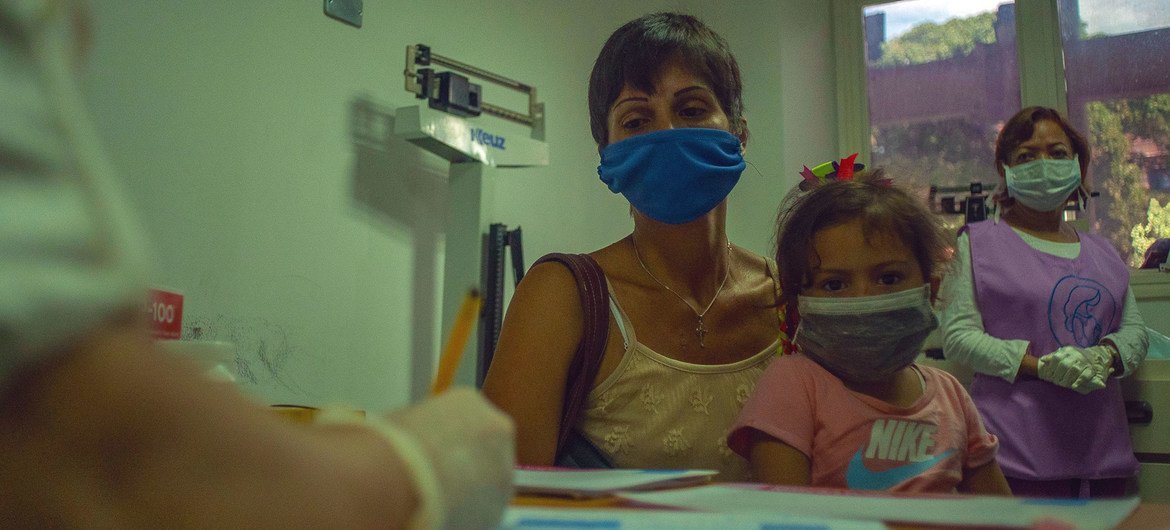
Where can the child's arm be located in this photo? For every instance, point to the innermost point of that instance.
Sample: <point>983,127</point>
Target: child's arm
<point>986,479</point>
<point>776,462</point>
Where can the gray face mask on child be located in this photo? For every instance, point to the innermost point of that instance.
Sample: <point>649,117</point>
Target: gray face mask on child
<point>867,338</point>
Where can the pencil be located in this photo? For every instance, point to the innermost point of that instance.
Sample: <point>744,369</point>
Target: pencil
<point>453,349</point>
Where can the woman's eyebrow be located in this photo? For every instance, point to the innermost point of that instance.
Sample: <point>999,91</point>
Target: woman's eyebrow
<point>643,99</point>
<point>691,89</point>
<point>631,99</point>
<point>1024,149</point>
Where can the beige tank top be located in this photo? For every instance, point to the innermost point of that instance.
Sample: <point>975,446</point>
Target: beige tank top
<point>655,412</point>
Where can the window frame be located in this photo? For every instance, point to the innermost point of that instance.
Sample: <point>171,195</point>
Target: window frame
<point>1039,54</point>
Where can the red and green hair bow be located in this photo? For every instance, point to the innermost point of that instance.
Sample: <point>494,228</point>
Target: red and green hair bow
<point>830,171</point>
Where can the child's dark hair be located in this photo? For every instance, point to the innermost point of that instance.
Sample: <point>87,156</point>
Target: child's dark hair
<point>882,208</point>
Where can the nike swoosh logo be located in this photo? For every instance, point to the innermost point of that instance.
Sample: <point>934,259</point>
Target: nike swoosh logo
<point>859,477</point>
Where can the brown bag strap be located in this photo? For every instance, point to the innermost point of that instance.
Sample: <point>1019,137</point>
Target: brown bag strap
<point>594,332</point>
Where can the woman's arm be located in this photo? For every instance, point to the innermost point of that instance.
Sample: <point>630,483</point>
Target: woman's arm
<point>964,338</point>
<point>986,479</point>
<point>528,373</point>
<point>776,462</point>
<point>1130,342</point>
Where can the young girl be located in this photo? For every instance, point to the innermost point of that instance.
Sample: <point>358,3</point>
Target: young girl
<point>850,409</point>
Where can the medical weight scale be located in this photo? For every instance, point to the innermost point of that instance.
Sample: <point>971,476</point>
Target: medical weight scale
<point>474,248</point>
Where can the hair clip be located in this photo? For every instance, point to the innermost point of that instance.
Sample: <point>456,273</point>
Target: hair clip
<point>832,170</point>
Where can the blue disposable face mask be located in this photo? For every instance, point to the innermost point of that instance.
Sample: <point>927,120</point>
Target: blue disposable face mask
<point>1044,184</point>
<point>674,176</point>
<point>867,338</point>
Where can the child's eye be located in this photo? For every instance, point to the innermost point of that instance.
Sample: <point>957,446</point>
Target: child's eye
<point>833,285</point>
<point>890,278</point>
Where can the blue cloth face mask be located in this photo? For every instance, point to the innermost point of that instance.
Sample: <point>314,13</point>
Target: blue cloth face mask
<point>674,176</point>
<point>866,338</point>
<point>1044,184</point>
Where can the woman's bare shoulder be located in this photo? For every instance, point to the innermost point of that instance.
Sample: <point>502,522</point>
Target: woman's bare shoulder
<point>538,337</point>
<point>757,269</point>
<point>548,276</point>
<point>744,255</point>
<point>548,293</point>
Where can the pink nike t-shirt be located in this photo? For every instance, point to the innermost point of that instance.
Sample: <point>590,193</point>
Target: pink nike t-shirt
<point>857,442</point>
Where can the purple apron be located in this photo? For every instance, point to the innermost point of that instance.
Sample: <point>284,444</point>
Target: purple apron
<point>1047,432</point>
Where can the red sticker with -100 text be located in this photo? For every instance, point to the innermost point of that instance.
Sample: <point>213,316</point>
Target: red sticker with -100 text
<point>164,309</point>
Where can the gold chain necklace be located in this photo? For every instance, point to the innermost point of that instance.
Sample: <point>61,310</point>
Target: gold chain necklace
<point>699,330</point>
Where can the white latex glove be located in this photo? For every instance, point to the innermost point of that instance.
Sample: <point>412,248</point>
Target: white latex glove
<point>1101,359</point>
<point>465,452</point>
<point>1064,367</point>
<point>1072,368</point>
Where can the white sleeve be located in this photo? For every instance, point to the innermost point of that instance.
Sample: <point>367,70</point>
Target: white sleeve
<point>69,255</point>
<point>1131,338</point>
<point>964,339</point>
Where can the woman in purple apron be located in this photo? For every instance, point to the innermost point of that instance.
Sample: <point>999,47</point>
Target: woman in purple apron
<point>1045,317</point>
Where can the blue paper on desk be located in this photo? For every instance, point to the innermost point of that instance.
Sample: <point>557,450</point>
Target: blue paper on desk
<point>584,483</point>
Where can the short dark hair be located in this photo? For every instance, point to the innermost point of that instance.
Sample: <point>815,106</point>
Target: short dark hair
<point>1022,126</point>
<point>636,53</point>
<point>883,209</point>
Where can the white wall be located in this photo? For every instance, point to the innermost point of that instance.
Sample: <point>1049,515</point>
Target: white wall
<point>320,256</point>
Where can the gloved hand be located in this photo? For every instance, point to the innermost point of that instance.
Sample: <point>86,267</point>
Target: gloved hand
<point>465,452</point>
<point>1074,368</point>
<point>1101,360</point>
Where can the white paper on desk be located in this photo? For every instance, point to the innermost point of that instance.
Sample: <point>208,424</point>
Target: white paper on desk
<point>600,482</point>
<point>959,510</point>
<point>531,518</point>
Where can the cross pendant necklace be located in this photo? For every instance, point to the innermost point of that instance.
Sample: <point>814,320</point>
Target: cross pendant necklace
<point>700,330</point>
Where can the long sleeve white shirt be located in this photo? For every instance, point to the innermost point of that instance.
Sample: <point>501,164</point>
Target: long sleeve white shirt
<point>967,342</point>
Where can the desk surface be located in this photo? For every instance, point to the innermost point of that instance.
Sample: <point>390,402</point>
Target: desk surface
<point>1147,516</point>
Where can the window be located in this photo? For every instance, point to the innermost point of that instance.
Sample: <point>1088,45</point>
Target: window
<point>1117,66</point>
<point>940,77</point>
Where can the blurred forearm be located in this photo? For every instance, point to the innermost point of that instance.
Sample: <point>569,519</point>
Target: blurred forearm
<point>114,433</point>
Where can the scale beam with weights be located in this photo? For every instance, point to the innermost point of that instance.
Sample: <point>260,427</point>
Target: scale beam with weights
<point>474,252</point>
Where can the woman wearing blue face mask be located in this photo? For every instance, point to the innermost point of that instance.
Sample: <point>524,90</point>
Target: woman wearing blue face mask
<point>1045,317</point>
<point>692,319</point>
